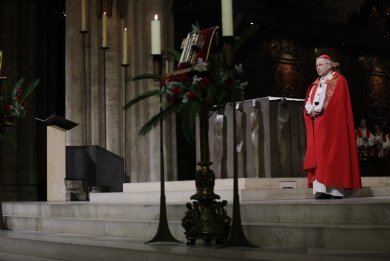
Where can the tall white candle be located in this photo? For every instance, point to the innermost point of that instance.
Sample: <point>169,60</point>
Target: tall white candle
<point>227,17</point>
<point>155,35</point>
<point>124,47</point>
<point>83,16</point>
<point>166,66</point>
<point>104,29</point>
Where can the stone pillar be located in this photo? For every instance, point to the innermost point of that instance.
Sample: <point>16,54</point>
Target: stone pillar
<point>98,104</point>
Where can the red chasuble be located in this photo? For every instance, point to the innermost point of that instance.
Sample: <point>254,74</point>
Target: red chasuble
<point>331,153</point>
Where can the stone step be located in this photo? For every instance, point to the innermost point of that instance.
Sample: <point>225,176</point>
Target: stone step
<point>243,183</point>
<point>344,236</point>
<point>301,223</point>
<point>248,194</point>
<point>63,246</point>
<point>304,193</point>
<point>362,222</point>
<point>346,211</point>
<point>141,229</point>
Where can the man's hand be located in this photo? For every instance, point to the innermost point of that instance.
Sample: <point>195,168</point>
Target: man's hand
<point>315,112</point>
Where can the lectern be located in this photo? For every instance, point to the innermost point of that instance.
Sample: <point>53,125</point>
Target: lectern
<point>56,155</point>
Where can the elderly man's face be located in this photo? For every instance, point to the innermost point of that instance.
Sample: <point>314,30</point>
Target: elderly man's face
<point>323,66</point>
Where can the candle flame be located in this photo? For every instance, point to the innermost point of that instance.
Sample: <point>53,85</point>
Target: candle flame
<point>155,17</point>
<point>125,29</point>
<point>104,13</point>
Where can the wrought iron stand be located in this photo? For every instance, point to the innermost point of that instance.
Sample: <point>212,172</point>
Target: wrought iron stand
<point>236,236</point>
<point>163,233</point>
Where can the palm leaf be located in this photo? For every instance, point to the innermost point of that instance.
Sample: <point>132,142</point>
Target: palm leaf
<point>152,76</point>
<point>29,90</point>
<point>10,89</point>
<point>195,27</point>
<point>174,53</point>
<point>141,97</point>
<point>188,113</point>
<point>152,123</point>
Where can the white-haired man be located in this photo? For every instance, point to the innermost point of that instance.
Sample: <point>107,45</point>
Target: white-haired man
<point>331,159</point>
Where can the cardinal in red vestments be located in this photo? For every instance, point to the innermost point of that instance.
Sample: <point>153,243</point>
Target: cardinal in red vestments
<point>331,159</point>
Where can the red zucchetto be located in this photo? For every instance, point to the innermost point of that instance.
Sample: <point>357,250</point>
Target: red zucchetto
<point>325,56</point>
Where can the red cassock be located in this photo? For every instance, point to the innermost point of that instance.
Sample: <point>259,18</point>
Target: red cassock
<point>331,154</point>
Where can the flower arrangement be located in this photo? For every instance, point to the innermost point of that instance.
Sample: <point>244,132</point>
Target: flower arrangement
<point>13,100</point>
<point>208,85</point>
<point>204,87</point>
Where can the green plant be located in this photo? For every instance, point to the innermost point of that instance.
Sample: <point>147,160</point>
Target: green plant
<point>208,86</point>
<point>13,98</point>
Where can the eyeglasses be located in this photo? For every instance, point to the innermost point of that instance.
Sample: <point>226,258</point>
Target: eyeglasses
<point>321,64</point>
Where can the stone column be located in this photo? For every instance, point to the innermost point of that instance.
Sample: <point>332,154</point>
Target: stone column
<point>98,106</point>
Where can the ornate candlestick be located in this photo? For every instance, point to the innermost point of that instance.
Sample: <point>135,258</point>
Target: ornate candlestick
<point>163,233</point>
<point>205,218</point>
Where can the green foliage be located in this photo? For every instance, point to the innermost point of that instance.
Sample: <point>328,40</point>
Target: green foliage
<point>13,104</point>
<point>13,97</point>
<point>142,97</point>
<point>174,53</point>
<point>209,87</point>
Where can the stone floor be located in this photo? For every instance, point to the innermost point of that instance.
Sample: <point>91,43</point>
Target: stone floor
<point>65,246</point>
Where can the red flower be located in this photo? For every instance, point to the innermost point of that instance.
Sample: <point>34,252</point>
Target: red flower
<point>172,98</point>
<point>176,90</point>
<point>204,82</point>
<point>19,91</point>
<point>7,107</point>
<point>172,78</point>
<point>164,81</point>
<point>184,77</point>
<point>192,96</point>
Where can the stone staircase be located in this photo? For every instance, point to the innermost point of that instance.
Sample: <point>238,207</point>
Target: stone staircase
<point>359,223</point>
